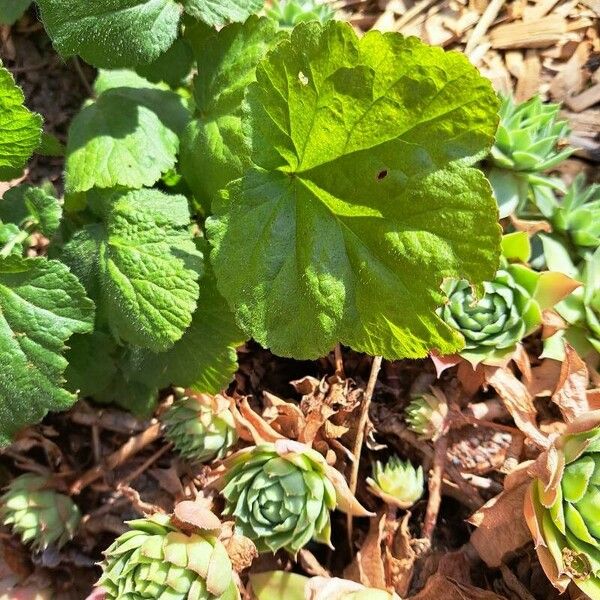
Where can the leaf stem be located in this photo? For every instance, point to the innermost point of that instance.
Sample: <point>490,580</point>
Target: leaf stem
<point>360,433</point>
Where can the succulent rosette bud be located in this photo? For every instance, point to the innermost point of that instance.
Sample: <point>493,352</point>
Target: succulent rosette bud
<point>288,13</point>
<point>510,308</point>
<point>38,513</point>
<point>529,141</point>
<point>200,427</point>
<point>426,413</point>
<point>281,495</point>
<point>154,559</point>
<point>397,482</point>
<point>562,507</point>
<point>577,216</point>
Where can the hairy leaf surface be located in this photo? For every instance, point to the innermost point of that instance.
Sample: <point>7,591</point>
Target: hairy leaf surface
<point>20,129</point>
<point>112,33</point>
<point>128,137</point>
<point>214,150</point>
<point>204,359</point>
<point>362,199</point>
<point>41,305</point>
<point>140,264</point>
<point>218,12</point>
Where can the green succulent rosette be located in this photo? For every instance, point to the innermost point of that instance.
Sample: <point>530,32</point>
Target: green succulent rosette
<point>288,13</point>
<point>37,513</point>
<point>155,560</point>
<point>201,427</point>
<point>397,482</point>
<point>528,142</point>
<point>581,309</point>
<point>577,216</point>
<point>562,507</point>
<point>281,495</point>
<point>510,308</point>
<point>426,414</point>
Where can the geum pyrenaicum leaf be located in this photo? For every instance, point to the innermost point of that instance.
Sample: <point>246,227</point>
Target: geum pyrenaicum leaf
<point>20,129</point>
<point>205,358</point>
<point>218,12</point>
<point>34,207</point>
<point>128,137</point>
<point>112,33</point>
<point>41,305</point>
<point>214,150</point>
<point>140,264</point>
<point>362,198</point>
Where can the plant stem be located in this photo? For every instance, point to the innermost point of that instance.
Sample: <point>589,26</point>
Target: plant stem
<point>360,433</point>
<point>435,486</point>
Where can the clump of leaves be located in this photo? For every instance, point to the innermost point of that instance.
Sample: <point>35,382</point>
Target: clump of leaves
<point>201,427</point>
<point>561,508</point>
<point>281,495</point>
<point>40,515</point>
<point>288,13</point>
<point>155,559</point>
<point>530,140</point>
<point>510,309</point>
<point>397,482</point>
<point>426,414</point>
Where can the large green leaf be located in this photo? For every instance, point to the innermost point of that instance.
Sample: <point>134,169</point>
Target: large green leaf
<point>112,33</point>
<point>362,199</point>
<point>41,305</point>
<point>20,129</point>
<point>218,12</point>
<point>140,264</point>
<point>128,137</point>
<point>213,148</point>
<point>101,369</point>
<point>204,359</point>
<point>12,10</point>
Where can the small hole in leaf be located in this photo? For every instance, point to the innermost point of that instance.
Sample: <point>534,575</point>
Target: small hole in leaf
<point>382,174</point>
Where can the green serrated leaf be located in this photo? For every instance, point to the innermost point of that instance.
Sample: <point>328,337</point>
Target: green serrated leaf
<point>171,67</point>
<point>41,305</point>
<point>112,33</point>
<point>218,12</point>
<point>140,264</point>
<point>362,199</point>
<point>128,138</point>
<point>204,359</point>
<point>36,207</point>
<point>214,150</point>
<point>12,10</point>
<point>8,233</point>
<point>20,129</point>
<point>100,369</point>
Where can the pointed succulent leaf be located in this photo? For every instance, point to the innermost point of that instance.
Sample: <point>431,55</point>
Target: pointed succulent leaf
<point>155,557</point>
<point>37,513</point>
<point>566,529</point>
<point>397,483</point>
<point>353,192</point>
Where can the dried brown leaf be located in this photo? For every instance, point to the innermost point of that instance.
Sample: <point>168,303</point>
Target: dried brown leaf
<point>518,402</point>
<point>191,515</point>
<point>367,567</point>
<point>439,587</point>
<point>501,526</point>
<point>400,558</point>
<point>571,390</point>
